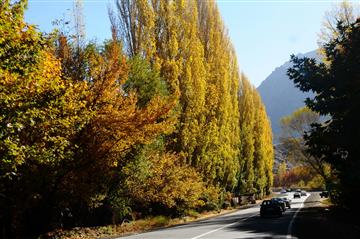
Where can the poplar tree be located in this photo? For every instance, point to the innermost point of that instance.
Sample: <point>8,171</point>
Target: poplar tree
<point>221,134</point>
<point>259,145</point>
<point>192,51</point>
<point>246,175</point>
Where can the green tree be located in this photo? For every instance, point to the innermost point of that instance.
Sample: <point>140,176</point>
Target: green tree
<point>336,86</point>
<point>145,81</point>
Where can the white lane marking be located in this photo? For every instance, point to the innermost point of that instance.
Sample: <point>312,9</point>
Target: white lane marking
<point>289,236</point>
<point>206,233</point>
<point>228,225</point>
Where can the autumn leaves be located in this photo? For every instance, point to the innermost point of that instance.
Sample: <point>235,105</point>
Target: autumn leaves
<point>156,117</point>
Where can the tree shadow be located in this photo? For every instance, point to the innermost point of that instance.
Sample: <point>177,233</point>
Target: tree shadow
<point>267,227</point>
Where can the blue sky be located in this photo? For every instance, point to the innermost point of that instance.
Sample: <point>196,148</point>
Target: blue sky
<point>264,32</point>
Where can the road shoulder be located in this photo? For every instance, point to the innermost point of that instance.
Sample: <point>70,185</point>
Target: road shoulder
<point>317,220</point>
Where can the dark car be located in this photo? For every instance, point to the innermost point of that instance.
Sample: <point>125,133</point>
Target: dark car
<point>271,207</point>
<point>287,202</point>
<point>324,194</point>
<point>297,195</point>
<point>281,203</point>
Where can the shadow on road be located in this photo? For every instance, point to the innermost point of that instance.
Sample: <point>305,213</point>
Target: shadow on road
<point>324,222</point>
<point>312,221</point>
<point>268,227</point>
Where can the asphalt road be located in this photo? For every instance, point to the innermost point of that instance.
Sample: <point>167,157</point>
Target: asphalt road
<point>245,223</point>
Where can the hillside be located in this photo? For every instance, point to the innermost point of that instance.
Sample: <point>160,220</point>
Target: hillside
<point>280,95</point>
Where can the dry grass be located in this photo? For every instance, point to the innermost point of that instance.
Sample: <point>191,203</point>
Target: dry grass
<point>327,202</point>
<point>129,227</point>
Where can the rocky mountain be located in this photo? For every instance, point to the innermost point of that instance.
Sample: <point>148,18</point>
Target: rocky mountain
<point>280,95</point>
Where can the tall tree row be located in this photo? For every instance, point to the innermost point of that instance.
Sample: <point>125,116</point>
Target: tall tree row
<point>263,156</point>
<point>188,43</point>
<point>157,117</point>
<point>256,150</point>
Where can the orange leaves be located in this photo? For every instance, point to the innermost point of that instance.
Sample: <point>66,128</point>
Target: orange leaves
<point>118,127</point>
<point>119,123</point>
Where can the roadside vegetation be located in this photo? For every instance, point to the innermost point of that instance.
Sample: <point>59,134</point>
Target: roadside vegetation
<point>129,227</point>
<point>156,121</point>
<point>333,143</point>
<point>306,171</point>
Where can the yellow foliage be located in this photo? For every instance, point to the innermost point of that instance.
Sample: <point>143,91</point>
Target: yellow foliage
<point>166,182</point>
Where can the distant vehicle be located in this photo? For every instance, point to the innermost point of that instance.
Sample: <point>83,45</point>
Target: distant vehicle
<point>283,191</point>
<point>303,193</point>
<point>287,202</point>
<point>270,207</point>
<point>281,202</point>
<point>324,194</point>
<point>298,190</point>
<point>288,190</point>
<point>297,195</point>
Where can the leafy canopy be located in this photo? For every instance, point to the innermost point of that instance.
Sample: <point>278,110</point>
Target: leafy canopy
<point>337,87</point>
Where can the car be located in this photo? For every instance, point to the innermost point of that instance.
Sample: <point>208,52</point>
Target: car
<point>283,191</point>
<point>298,190</point>
<point>287,202</point>
<point>297,195</point>
<point>270,207</point>
<point>281,202</point>
<point>324,194</point>
<point>303,193</point>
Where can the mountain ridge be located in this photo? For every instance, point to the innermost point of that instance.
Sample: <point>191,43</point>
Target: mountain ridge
<point>280,96</point>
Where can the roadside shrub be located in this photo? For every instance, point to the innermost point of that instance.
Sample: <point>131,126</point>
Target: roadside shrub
<point>159,221</point>
<point>210,206</point>
<point>192,213</point>
<point>226,204</point>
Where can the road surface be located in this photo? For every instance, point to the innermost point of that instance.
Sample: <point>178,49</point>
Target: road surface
<point>245,223</point>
